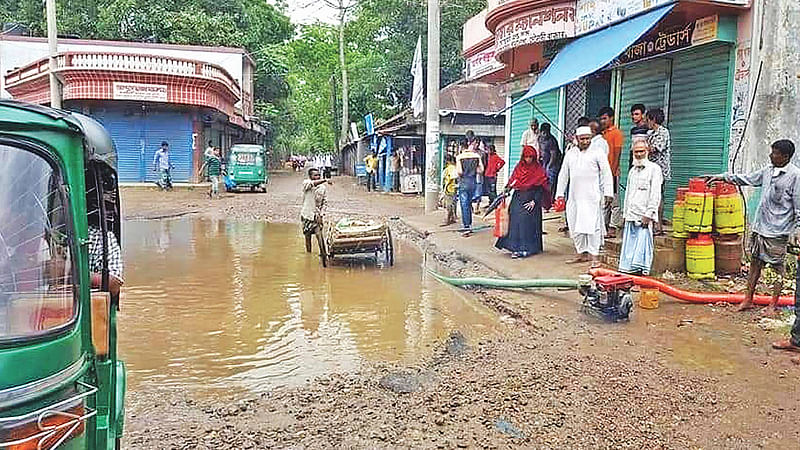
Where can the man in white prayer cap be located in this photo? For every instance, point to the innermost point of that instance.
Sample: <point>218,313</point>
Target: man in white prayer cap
<point>586,171</point>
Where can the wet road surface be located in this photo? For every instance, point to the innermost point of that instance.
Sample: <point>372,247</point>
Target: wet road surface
<point>222,305</point>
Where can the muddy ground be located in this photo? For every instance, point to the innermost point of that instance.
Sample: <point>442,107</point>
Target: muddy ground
<point>680,377</point>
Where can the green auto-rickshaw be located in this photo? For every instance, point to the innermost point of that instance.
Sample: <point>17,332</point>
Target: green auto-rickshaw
<point>247,168</point>
<point>61,383</point>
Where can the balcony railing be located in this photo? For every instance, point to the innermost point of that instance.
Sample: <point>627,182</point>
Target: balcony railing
<point>124,62</point>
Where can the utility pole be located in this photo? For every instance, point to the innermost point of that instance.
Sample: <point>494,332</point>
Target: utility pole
<point>52,41</point>
<point>345,93</point>
<point>432,110</point>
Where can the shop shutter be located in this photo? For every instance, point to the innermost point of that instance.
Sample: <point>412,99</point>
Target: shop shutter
<point>546,110</point>
<point>174,127</point>
<point>644,83</point>
<point>125,128</point>
<point>699,114</point>
<point>520,120</point>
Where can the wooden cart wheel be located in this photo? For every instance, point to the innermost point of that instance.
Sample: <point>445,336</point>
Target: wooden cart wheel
<point>389,247</point>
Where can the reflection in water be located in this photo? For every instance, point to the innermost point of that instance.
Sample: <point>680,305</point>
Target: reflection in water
<point>222,304</point>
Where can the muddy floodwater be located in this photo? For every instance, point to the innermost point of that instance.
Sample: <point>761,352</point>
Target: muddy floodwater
<point>240,306</point>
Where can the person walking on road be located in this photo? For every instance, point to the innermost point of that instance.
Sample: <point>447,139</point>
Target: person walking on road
<point>314,199</point>
<point>469,167</point>
<point>394,168</point>
<point>641,211</point>
<point>493,165</point>
<point>777,221</point>
<point>529,182</point>
<point>162,165</point>
<point>615,140</point>
<point>586,171</point>
<point>449,189</point>
<point>371,166</point>
<point>213,169</point>
<point>660,153</point>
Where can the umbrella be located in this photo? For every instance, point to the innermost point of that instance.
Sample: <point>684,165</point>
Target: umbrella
<point>492,206</point>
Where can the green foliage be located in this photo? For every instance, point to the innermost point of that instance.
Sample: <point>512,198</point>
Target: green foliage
<point>296,69</point>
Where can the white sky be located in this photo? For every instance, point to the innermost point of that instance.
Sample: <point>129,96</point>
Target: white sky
<point>310,11</point>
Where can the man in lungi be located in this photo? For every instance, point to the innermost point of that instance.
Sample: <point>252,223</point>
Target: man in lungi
<point>777,220</point>
<point>586,172</point>
<point>643,195</point>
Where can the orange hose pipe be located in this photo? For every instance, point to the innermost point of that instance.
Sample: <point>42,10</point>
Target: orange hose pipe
<point>695,297</point>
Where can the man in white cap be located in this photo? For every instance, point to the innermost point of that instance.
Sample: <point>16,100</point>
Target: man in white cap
<point>586,171</point>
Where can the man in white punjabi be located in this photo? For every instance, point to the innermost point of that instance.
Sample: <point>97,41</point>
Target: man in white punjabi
<point>777,221</point>
<point>586,171</point>
<point>643,195</point>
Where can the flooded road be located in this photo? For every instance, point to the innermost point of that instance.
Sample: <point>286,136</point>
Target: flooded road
<point>240,305</point>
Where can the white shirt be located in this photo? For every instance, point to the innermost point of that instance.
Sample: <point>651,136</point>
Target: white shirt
<point>643,192</point>
<point>600,143</point>
<point>589,178</point>
<point>530,138</point>
<point>313,200</point>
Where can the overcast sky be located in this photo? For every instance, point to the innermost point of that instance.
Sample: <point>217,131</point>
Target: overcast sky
<point>309,11</point>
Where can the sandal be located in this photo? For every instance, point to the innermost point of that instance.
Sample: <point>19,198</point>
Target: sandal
<point>787,345</point>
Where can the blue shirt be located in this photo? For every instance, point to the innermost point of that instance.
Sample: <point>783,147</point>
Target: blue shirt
<point>778,212</point>
<point>161,159</point>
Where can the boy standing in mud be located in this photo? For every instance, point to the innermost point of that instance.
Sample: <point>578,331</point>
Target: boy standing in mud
<point>314,197</point>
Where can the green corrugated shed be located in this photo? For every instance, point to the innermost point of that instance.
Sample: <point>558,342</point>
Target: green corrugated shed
<point>644,83</point>
<point>546,110</point>
<point>699,114</point>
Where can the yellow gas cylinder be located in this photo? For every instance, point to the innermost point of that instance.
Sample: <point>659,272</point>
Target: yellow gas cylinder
<point>699,207</point>
<point>648,298</point>
<point>700,257</point>
<point>679,214</point>
<point>728,209</point>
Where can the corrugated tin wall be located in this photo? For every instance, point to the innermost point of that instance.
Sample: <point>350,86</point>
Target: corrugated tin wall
<point>546,110</point>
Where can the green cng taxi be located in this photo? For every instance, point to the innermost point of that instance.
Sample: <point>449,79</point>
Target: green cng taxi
<point>247,167</point>
<point>62,385</point>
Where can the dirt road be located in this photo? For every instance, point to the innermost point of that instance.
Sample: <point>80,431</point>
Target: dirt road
<point>678,377</point>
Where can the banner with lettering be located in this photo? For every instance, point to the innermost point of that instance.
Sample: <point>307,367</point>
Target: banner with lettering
<point>540,25</point>
<point>661,41</point>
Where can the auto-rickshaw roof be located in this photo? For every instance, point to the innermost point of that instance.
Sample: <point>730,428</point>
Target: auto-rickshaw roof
<point>98,146</point>
<point>247,148</point>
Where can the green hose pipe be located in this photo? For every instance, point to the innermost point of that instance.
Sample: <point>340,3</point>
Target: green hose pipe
<point>507,284</point>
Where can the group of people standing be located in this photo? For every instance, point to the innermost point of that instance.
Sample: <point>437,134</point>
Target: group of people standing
<point>584,178</point>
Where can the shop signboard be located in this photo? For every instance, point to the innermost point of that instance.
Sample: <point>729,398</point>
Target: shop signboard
<point>483,63</point>
<point>369,124</point>
<point>593,14</point>
<point>539,25</point>
<point>139,91</point>
<point>696,32</point>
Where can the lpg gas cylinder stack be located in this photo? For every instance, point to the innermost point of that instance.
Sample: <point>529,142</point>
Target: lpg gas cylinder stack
<point>711,219</point>
<point>698,220</point>
<point>728,227</point>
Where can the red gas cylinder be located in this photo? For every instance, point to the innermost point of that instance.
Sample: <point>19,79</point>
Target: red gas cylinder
<point>724,188</point>
<point>680,194</point>
<point>698,185</point>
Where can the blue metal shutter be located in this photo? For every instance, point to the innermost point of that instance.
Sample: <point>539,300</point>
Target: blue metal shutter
<point>544,108</point>
<point>125,128</point>
<point>174,127</point>
<point>699,114</point>
<point>644,83</point>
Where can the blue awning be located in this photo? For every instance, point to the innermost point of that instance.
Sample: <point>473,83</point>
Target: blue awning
<point>592,52</point>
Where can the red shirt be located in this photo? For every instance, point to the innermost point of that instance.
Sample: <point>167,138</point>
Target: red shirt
<point>494,165</point>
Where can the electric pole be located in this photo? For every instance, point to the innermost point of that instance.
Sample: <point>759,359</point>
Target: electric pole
<point>52,41</point>
<point>432,109</point>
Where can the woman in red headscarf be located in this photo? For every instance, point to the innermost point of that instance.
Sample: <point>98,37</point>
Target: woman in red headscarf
<point>529,182</point>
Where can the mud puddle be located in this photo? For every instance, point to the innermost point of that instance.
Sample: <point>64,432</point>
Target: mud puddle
<point>239,306</point>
